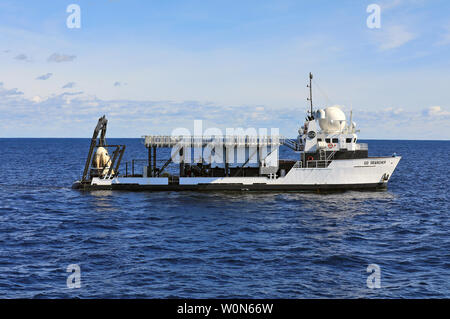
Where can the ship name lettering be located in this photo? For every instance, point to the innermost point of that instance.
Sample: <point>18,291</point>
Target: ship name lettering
<point>377,162</point>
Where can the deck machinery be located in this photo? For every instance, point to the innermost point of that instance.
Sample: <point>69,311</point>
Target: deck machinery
<point>328,158</point>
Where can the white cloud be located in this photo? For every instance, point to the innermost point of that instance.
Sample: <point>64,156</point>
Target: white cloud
<point>58,58</point>
<point>44,76</point>
<point>68,108</point>
<point>394,4</point>
<point>72,114</point>
<point>37,99</point>
<point>69,85</point>
<point>433,111</point>
<point>21,57</point>
<point>393,111</point>
<point>392,37</point>
<point>5,93</point>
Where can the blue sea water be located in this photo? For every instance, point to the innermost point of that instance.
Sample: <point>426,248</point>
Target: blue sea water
<point>220,245</point>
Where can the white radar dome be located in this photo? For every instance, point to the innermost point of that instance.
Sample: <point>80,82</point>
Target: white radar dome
<point>331,119</point>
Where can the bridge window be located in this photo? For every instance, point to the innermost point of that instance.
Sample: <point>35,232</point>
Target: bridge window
<point>319,140</point>
<point>335,140</point>
<point>327,140</point>
<point>348,140</point>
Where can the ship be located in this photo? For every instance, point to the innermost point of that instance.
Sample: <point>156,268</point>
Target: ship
<point>328,157</point>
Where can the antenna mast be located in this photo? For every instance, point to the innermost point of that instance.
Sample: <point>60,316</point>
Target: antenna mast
<point>310,93</point>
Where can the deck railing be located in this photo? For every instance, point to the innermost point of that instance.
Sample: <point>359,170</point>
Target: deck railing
<point>297,164</point>
<point>199,141</point>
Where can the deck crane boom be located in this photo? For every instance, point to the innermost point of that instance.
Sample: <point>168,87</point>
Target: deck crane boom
<point>100,128</point>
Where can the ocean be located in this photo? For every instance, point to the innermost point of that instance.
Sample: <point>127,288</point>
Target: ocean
<point>220,245</point>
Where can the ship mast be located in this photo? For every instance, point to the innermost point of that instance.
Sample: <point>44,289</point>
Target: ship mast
<point>310,95</point>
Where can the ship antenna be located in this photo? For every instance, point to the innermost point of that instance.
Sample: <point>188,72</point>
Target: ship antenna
<point>350,125</point>
<point>310,93</point>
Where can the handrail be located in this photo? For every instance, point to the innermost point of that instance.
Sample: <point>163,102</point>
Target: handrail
<point>297,164</point>
<point>325,162</point>
<point>330,156</point>
<point>227,140</point>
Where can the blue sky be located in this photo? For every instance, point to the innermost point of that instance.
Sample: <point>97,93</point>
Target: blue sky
<point>151,66</point>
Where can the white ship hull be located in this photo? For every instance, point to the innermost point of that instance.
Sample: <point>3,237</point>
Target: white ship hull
<point>368,173</point>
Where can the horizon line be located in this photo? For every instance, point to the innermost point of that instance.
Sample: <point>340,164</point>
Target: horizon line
<point>372,139</point>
